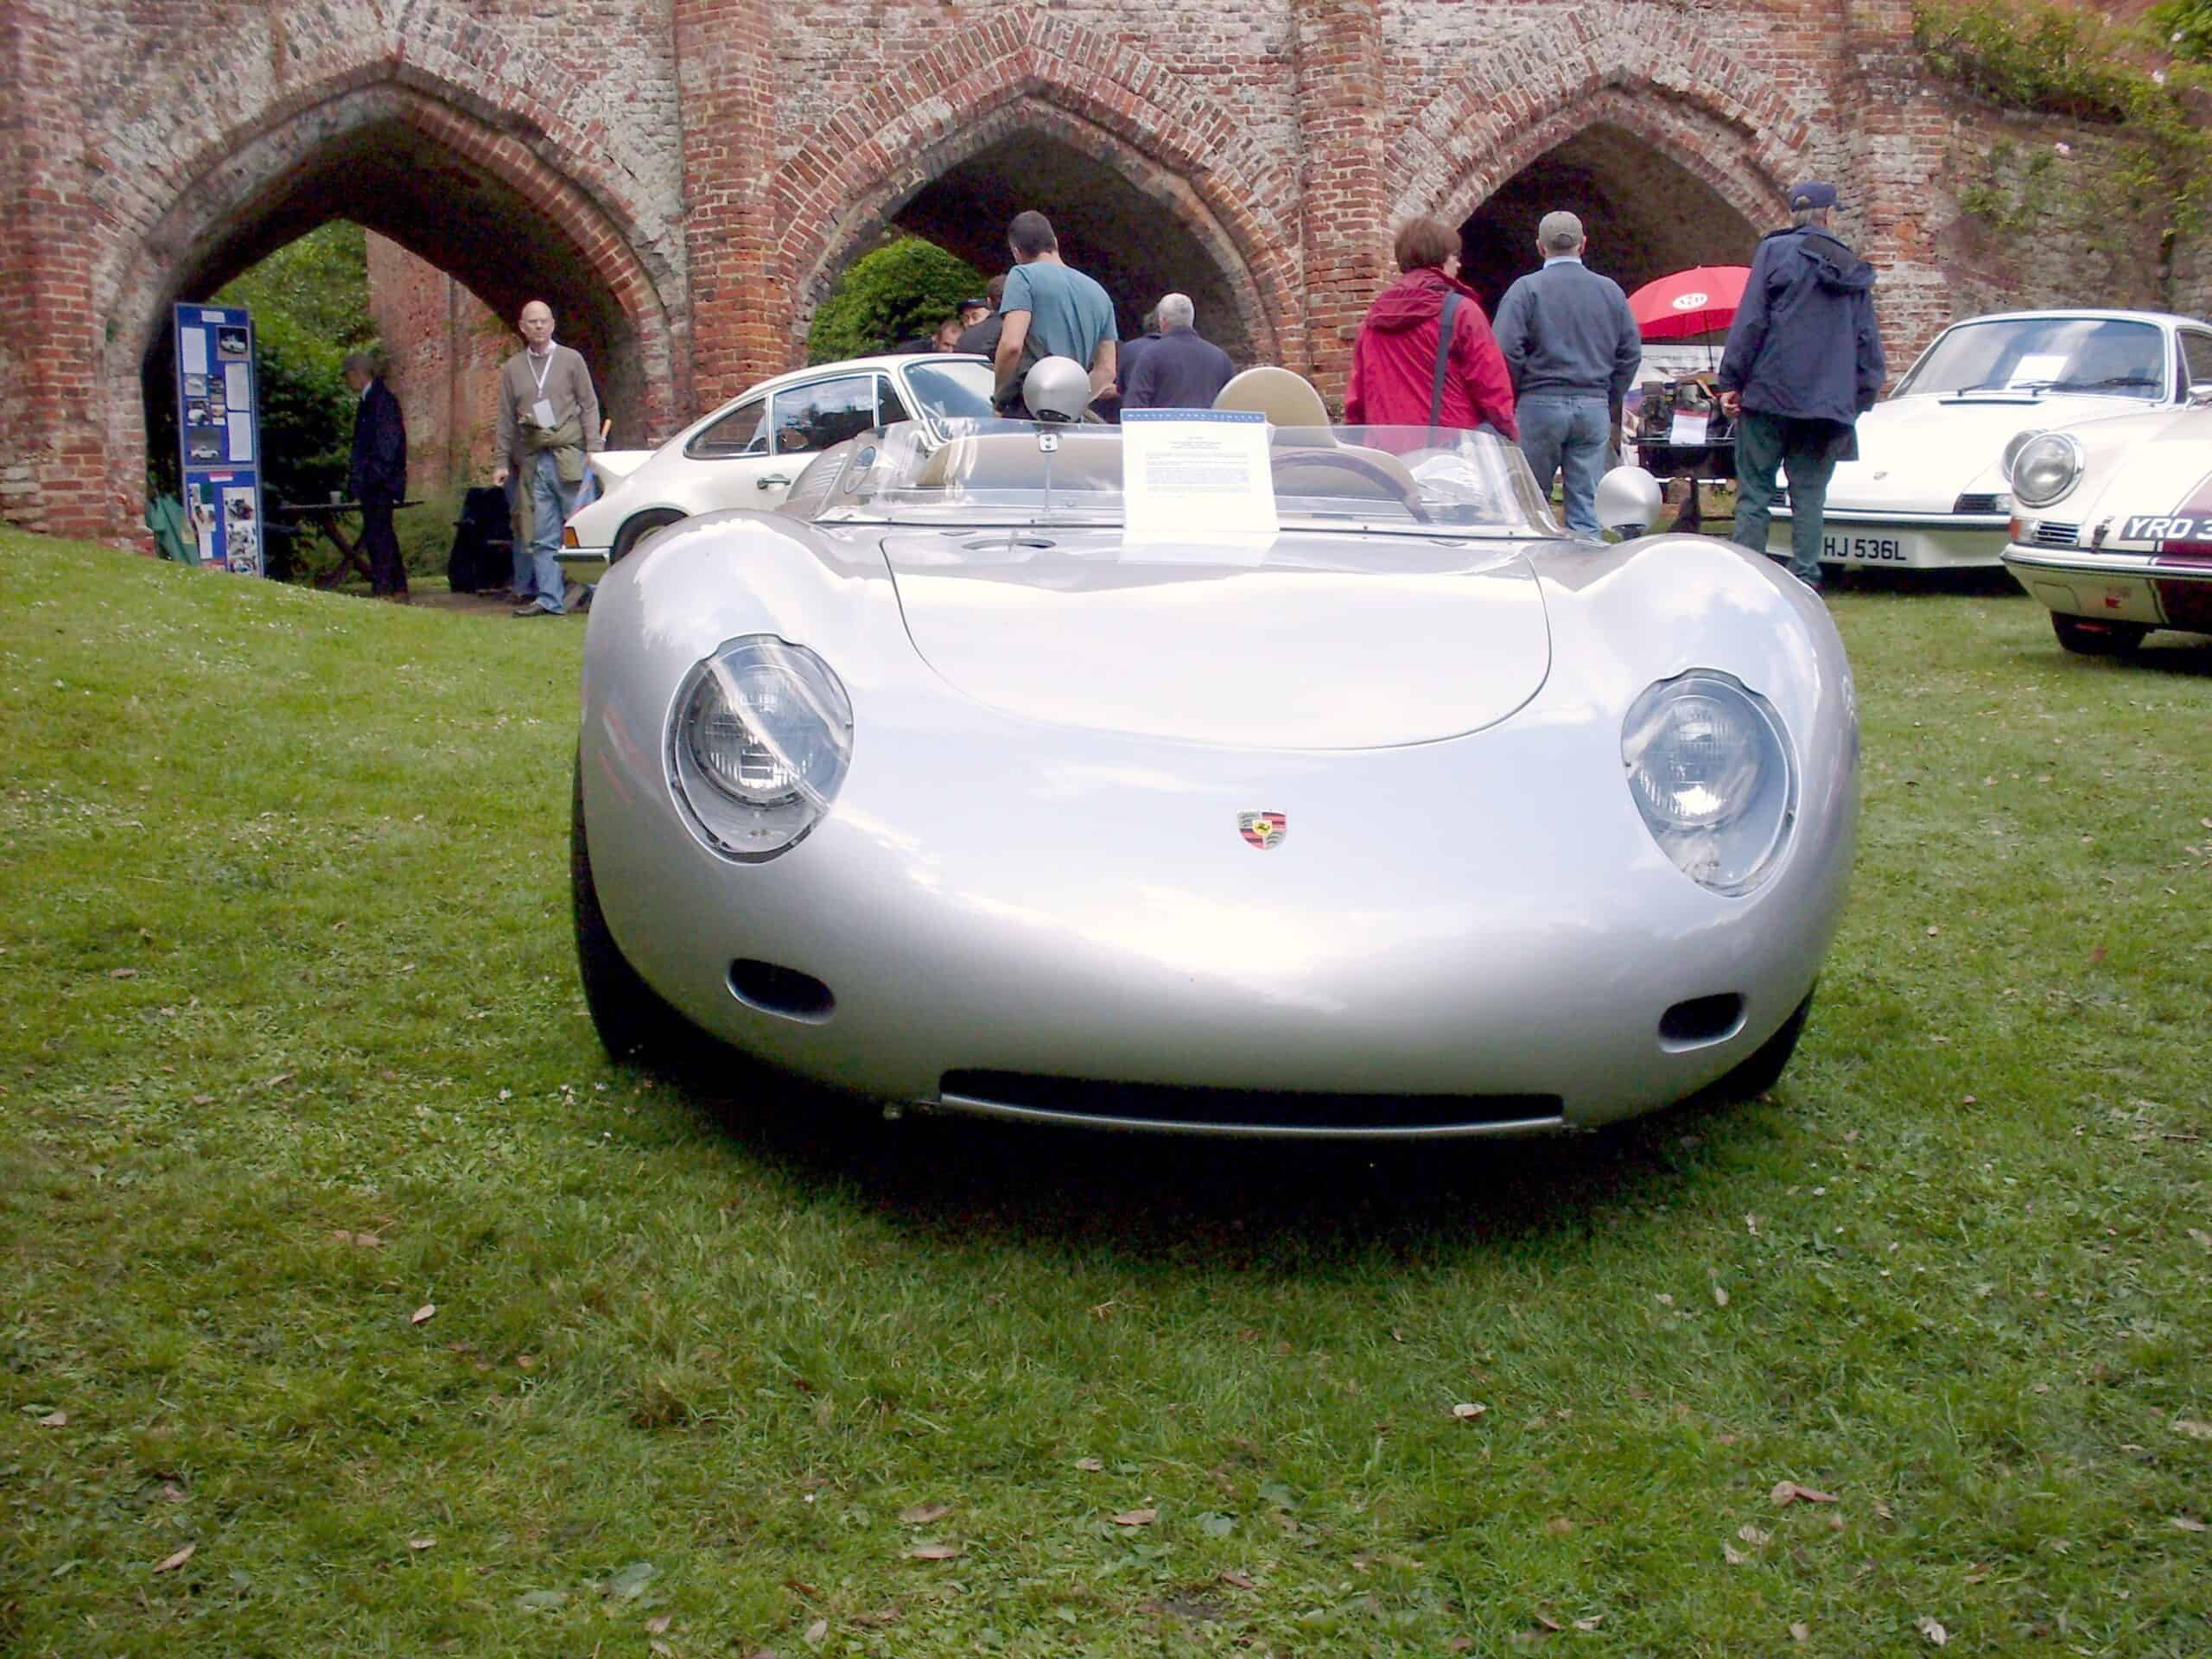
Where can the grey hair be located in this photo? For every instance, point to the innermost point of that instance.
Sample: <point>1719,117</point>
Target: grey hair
<point>1175,311</point>
<point>368,363</point>
<point>1805,216</point>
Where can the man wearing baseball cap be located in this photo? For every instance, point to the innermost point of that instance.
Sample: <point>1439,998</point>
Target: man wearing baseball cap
<point>1572,349</point>
<point>1803,363</point>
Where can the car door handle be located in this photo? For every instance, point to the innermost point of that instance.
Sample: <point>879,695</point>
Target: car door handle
<point>771,481</point>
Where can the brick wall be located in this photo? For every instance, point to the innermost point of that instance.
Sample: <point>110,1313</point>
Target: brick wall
<point>683,179</point>
<point>446,346</point>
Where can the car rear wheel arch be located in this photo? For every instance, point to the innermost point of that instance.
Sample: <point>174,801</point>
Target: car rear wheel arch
<point>640,525</point>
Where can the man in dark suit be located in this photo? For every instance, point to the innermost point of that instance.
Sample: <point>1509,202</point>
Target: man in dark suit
<point>378,477</point>
<point>1178,370</point>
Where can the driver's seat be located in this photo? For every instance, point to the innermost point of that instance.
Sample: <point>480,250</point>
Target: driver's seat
<point>1286,398</point>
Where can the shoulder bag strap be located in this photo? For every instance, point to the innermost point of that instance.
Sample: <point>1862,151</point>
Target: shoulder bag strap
<point>1443,359</point>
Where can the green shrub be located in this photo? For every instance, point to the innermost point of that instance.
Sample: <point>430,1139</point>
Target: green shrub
<point>904,288</point>
<point>2186,27</point>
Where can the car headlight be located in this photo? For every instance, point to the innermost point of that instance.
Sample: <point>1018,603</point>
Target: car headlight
<point>1710,770</point>
<point>2012,448</point>
<point>2047,466</point>
<point>758,741</point>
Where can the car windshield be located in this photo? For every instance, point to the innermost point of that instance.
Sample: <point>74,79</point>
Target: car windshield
<point>1422,479</point>
<point>952,388</point>
<point>2102,356</point>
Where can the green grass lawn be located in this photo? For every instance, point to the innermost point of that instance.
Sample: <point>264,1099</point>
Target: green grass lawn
<point>291,1049</point>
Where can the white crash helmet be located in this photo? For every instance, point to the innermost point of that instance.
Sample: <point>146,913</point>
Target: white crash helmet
<point>1056,389</point>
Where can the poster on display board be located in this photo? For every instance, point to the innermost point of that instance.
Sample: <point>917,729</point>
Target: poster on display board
<point>218,436</point>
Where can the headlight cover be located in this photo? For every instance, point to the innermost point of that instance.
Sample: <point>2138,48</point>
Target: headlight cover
<point>758,741</point>
<point>2012,448</point>
<point>1710,769</point>
<point>2045,468</point>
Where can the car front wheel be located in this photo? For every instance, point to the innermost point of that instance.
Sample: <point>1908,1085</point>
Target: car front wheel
<point>2097,639</point>
<point>633,1022</point>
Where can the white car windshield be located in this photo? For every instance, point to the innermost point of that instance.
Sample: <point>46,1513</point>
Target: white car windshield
<point>2109,357</point>
<point>1428,480</point>
<point>951,389</point>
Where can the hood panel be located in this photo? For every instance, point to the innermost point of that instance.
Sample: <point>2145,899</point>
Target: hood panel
<point>1931,450</point>
<point>1333,642</point>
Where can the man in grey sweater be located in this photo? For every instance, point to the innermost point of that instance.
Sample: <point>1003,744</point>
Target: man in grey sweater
<point>1573,350</point>
<point>549,419</point>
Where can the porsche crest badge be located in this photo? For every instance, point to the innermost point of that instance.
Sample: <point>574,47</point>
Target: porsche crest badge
<point>1262,829</point>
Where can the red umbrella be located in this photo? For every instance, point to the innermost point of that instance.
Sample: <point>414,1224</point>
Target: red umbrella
<point>1689,303</point>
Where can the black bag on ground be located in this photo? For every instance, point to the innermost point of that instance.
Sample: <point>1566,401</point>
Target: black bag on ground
<point>483,556</point>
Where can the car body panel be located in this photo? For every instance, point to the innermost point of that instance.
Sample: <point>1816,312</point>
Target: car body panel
<point>2131,541</point>
<point>1010,885</point>
<point>1907,501</point>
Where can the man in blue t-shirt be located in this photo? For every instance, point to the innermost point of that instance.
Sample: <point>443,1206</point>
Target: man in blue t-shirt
<point>1051,309</point>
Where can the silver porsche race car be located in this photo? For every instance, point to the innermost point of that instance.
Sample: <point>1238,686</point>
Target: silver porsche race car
<point>1402,814</point>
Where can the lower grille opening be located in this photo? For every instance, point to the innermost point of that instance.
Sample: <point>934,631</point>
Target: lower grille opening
<point>1702,1020</point>
<point>1180,1104</point>
<point>785,991</point>
<point>1982,504</point>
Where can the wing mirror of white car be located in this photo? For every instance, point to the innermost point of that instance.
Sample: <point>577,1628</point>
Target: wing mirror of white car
<point>2200,394</point>
<point>1628,501</point>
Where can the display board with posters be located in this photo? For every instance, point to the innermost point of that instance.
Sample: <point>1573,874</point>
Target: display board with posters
<point>219,435</point>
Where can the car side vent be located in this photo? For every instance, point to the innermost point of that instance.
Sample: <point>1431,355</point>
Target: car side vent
<point>2052,533</point>
<point>786,992</point>
<point>1984,503</point>
<point>1701,1020</point>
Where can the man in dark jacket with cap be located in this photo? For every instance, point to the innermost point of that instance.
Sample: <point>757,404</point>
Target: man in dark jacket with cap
<point>1803,363</point>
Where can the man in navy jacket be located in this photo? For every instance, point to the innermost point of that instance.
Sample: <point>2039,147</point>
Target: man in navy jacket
<point>378,477</point>
<point>1803,363</point>
<point>1178,370</point>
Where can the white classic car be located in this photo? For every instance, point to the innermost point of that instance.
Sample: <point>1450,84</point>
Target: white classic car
<point>2114,526</point>
<point>1929,490</point>
<point>748,451</point>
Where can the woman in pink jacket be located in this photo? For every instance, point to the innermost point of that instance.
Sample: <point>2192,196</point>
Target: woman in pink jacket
<point>1394,361</point>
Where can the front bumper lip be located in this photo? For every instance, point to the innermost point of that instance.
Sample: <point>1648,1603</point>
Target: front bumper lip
<point>1005,1111</point>
<point>1999,521</point>
<point>2103,566</point>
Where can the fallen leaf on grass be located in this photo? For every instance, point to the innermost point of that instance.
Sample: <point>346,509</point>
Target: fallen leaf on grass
<point>541,1601</point>
<point>1801,1632</point>
<point>1720,1297</point>
<point>2202,1237</point>
<point>55,1419</point>
<point>1241,1580</point>
<point>1089,1465</point>
<point>420,1543</point>
<point>170,1563</point>
<point>1549,1624</point>
<point>630,1583</point>
<point>921,1514</point>
<point>428,1311</point>
<point>659,1623</point>
<point>1558,1526</point>
<point>816,1631</point>
<point>123,973</point>
<point>1461,1644</point>
<point>203,1100</point>
<point>1734,1556</point>
<point>2188,1523</point>
<point>2195,1430</point>
<point>1788,1491</point>
<point>660,1649</point>
<point>1750,1534</point>
<point>1136,1517</point>
<point>1467,1410</point>
<point>1590,1622</point>
<point>878,1619</point>
<point>1932,1630</point>
<point>359,1241</point>
<point>935,1553</point>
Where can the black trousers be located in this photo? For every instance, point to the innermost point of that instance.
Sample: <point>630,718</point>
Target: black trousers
<point>386,574</point>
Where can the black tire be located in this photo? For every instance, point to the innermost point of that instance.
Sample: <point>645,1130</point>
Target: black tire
<point>2097,639</point>
<point>637,528</point>
<point>1764,1067</point>
<point>633,1023</point>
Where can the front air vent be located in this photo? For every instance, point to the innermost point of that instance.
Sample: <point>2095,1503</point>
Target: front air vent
<point>1226,1108</point>
<point>1980,504</point>
<point>785,991</point>
<point>2052,533</point>
<point>1701,1020</point>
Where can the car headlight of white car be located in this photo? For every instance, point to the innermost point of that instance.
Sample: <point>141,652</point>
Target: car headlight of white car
<point>1710,770</point>
<point>2012,448</point>
<point>2045,469</point>
<point>758,738</point>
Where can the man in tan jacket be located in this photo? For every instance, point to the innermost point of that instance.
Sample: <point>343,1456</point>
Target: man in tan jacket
<point>549,418</point>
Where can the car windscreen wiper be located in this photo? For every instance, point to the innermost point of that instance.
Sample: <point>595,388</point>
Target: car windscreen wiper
<point>2110,382</point>
<point>2003,385</point>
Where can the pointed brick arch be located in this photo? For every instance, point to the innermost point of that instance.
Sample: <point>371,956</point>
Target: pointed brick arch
<point>850,175</point>
<point>1640,71</point>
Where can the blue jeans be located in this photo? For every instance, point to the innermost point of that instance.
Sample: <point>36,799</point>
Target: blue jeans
<point>1567,432</point>
<point>1808,450</point>
<point>550,503</point>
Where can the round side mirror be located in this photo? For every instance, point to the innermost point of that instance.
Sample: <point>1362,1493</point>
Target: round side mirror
<point>1628,501</point>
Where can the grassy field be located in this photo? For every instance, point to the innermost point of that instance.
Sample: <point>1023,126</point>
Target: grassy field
<point>295,1055</point>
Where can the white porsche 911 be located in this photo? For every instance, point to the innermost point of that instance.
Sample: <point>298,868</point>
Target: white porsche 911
<point>2114,529</point>
<point>1928,490</point>
<point>748,451</point>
